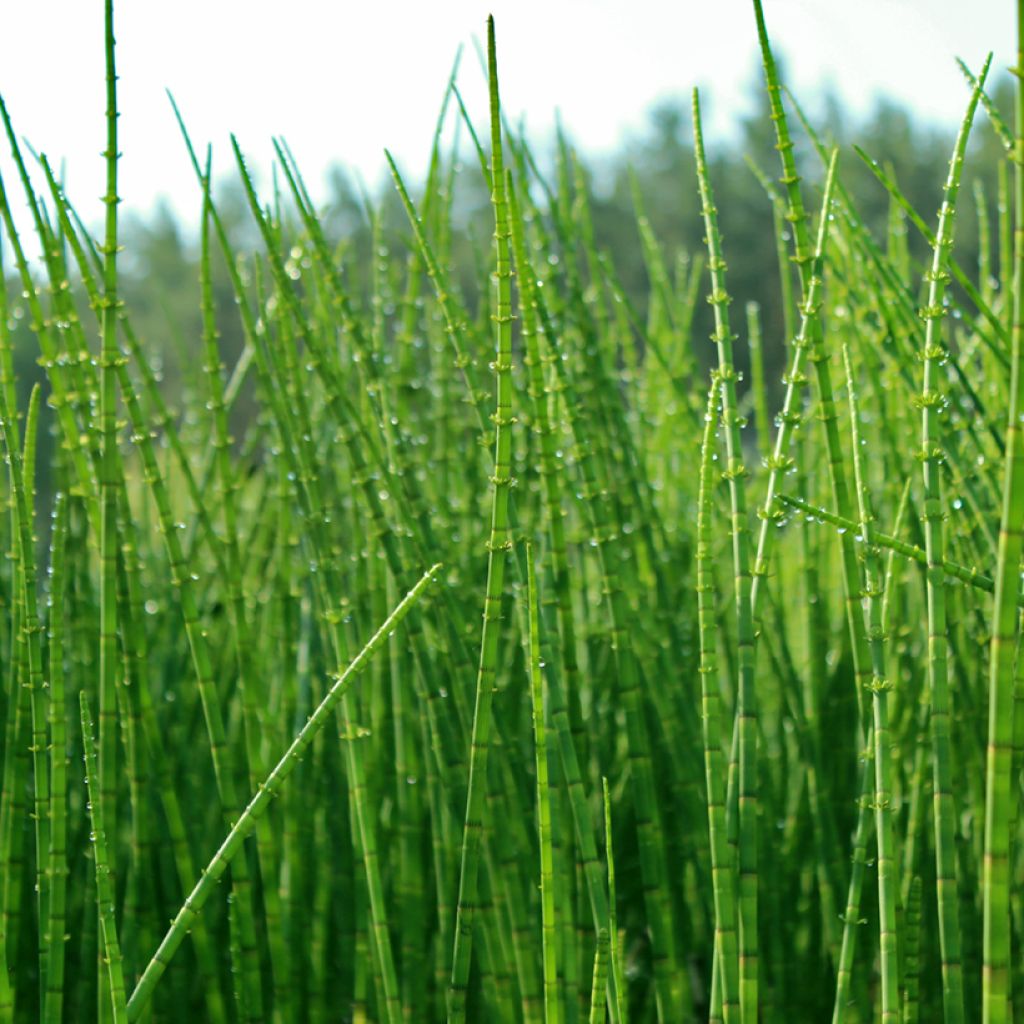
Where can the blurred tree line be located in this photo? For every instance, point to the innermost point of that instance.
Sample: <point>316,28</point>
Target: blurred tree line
<point>160,265</point>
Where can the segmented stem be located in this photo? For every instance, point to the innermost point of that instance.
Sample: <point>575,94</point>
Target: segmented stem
<point>881,684</point>
<point>722,866</point>
<point>101,866</point>
<point>249,817</point>
<point>1000,787</point>
<point>497,549</point>
<point>552,1014</point>
<point>746,707</point>
<point>934,513</point>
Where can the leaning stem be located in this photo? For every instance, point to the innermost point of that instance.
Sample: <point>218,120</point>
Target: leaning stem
<point>249,817</point>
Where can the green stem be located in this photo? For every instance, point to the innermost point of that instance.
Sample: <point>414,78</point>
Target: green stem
<point>249,818</point>
<point>1000,787</point>
<point>746,706</point>
<point>934,354</point>
<point>58,870</point>
<point>722,866</point>
<point>497,549</point>
<point>22,479</point>
<point>600,980</point>
<point>880,686</point>
<point>109,473</point>
<point>104,879</point>
<point>552,1013</point>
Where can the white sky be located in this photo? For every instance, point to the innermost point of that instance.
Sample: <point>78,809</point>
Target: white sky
<point>342,80</point>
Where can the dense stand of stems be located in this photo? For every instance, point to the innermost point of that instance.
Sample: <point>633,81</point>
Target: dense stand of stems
<point>767,719</point>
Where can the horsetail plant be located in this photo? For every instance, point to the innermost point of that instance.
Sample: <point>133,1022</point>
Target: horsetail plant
<point>109,479</point>
<point>618,975</point>
<point>497,547</point>
<point>267,791</point>
<point>722,867</point>
<point>851,914</point>
<point>183,580</point>
<point>547,886</point>
<point>58,869</point>
<point>670,984</point>
<point>746,704</point>
<point>893,544</point>
<point>21,464</point>
<point>790,418</point>
<point>766,713</point>
<point>104,876</point>
<point>1000,787</point>
<point>881,684</point>
<point>931,403</point>
<point>599,983</point>
<point>560,686</point>
<point>366,845</point>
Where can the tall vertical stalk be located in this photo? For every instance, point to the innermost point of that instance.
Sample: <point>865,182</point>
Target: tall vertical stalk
<point>1000,787</point>
<point>722,867</point>
<point>599,983</point>
<point>547,885</point>
<point>621,1004</point>
<point>58,867</point>
<point>22,481</point>
<point>881,684</point>
<point>497,554</point>
<point>746,707</point>
<point>560,686</point>
<point>934,355</point>
<point>111,958</point>
<point>791,416</point>
<point>108,468</point>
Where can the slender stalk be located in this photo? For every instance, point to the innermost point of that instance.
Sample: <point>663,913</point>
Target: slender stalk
<point>22,480</point>
<point>791,415</point>
<point>599,985</point>
<point>1000,787</point>
<point>560,686</point>
<point>911,973</point>
<point>851,915</point>
<point>670,983</point>
<point>58,867</point>
<point>552,1013</point>
<point>109,469</point>
<point>757,376</point>
<point>621,1004</point>
<point>934,515</point>
<point>497,548</point>
<point>746,706</point>
<point>885,540</point>
<point>256,807</point>
<point>881,684</point>
<point>213,367</point>
<point>722,866</point>
<point>101,866</point>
